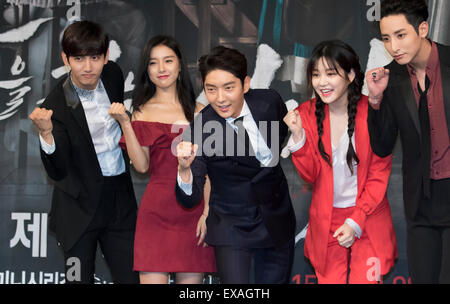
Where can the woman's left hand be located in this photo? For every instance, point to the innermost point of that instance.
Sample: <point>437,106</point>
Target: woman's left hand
<point>345,235</point>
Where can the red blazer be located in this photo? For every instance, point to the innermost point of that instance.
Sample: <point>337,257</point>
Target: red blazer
<point>372,211</point>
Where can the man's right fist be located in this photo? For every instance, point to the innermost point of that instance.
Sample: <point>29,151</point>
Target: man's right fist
<point>42,119</point>
<point>186,152</point>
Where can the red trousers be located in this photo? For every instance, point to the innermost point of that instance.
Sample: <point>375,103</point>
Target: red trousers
<point>358,262</point>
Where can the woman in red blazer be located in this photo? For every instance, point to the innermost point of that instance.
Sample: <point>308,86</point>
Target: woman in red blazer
<point>350,236</point>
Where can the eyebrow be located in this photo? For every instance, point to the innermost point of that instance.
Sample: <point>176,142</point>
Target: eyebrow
<point>170,56</point>
<point>395,33</point>
<point>224,85</point>
<point>85,55</point>
<point>329,69</point>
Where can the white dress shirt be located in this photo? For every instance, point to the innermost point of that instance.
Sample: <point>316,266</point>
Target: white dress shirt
<point>262,151</point>
<point>345,185</point>
<point>105,130</point>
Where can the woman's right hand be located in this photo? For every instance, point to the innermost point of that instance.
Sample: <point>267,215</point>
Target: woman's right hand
<point>119,113</point>
<point>294,123</point>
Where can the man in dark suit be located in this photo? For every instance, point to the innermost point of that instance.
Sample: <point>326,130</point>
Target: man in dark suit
<point>412,96</point>
<point>250,214</point>
<point>93,199</point>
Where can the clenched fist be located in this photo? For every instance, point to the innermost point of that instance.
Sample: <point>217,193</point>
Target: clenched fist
<point>345,235</point>
<point>42,119</point>
<point>294,123</point>
<point>186,152</point>
<point>119,113</point>
<point>377,81</point>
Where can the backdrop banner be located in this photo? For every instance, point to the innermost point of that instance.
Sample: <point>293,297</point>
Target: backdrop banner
<point>276,36</point>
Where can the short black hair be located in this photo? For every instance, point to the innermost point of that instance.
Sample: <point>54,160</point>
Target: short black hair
<point>415,11</point>
<point>84,38</point>
<point>223,58</point>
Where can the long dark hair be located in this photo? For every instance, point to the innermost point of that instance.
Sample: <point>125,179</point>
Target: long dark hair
<point>338,53</point>
<point>145,89</point>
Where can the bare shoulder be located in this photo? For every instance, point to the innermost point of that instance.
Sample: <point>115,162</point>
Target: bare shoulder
<point>147,112</point>
<point>136,115</point>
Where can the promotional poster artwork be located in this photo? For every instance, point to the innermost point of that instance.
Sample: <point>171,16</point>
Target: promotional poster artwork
<point>277,37</point>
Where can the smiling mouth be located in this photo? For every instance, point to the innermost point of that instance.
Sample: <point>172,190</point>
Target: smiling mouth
<point>326,93</point>
<point>224,108</point>
<point>163,77</point>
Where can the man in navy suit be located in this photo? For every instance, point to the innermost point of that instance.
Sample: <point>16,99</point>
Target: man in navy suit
<point>250,214</point>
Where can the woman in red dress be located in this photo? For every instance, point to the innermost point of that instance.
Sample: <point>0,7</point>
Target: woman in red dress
<point>350,237</point>
<point>169,238</point>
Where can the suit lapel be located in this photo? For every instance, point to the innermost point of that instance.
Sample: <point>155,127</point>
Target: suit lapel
<point>76,108</point>
<point>362,144</point>
<point>259,110</point>
<point>326,141</point>
<point>110,90</point>
<point>226,130</point>
<point>403,81</point>
<point>445,75</point>
<point>326,136</point>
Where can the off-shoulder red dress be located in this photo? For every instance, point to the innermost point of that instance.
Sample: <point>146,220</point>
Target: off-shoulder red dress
<point>165,239</point>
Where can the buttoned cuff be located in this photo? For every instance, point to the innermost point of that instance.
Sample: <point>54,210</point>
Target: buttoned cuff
<point>186,187</point>
<point>354,226</point>
<point>48,149</point>
<point>295,146</point>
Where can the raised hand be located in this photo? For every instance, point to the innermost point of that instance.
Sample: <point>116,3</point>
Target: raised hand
<point>186,152</point>
<point>377,81</point>
<point>118,112</point>
<point>42,119</point>
<point>294,123</point>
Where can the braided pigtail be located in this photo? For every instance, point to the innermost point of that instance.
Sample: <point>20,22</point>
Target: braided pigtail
<point>320,116</point>
<point>354,95</point>
<point>351,154</point>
